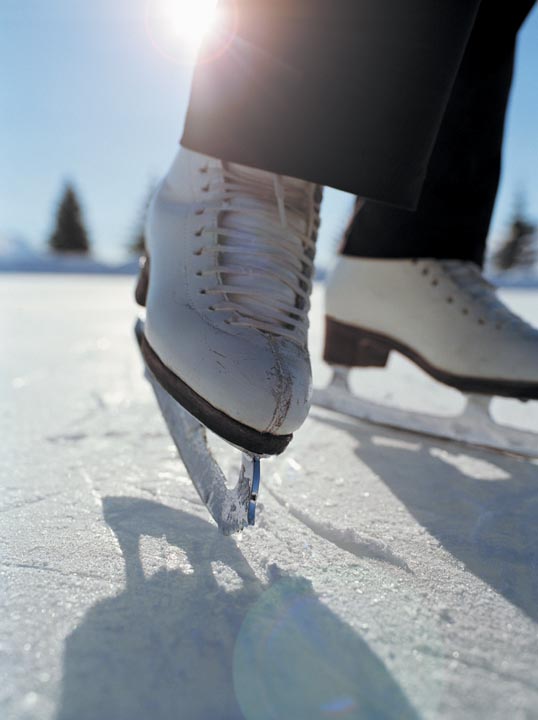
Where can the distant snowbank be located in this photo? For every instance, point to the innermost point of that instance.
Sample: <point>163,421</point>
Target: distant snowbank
<point>65,264</point>
<point>18,256</point>
<point>515,280</point>
<point>49,263</point>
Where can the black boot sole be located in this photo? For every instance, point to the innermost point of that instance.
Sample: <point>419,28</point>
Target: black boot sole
<point>352,346</point>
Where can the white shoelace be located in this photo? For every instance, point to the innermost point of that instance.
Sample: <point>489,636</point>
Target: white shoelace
<point>265,249</point>
<point>468,277</point>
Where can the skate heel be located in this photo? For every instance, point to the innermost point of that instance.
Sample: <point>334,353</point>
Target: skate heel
<point>141,291</point>
<point>353,347</point>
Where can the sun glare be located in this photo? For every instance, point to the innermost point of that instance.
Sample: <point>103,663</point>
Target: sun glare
<point>177,27</point>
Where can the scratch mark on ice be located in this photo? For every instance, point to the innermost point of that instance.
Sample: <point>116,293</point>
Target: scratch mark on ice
<point>347,539</point>
<point>93,492</point>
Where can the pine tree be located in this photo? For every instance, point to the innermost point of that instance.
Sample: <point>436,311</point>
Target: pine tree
<point>137,246</point>
<point>520,249</point>
<point>70,235</point>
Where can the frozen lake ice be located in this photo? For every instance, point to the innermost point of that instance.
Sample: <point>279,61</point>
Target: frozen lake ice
<point>388,575</point>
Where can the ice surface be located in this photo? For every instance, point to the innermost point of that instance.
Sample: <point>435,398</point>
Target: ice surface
<point>387,576</point>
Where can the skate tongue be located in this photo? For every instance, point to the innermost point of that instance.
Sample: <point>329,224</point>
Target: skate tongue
<point>296,195</point>
<point>258,231</point>
<point>249,173</point>
<point>257,255</point>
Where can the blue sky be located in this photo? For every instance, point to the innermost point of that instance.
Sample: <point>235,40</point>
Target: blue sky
<point>85,95</point>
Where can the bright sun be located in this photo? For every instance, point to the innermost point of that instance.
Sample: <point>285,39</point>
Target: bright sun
<point>176,27</point>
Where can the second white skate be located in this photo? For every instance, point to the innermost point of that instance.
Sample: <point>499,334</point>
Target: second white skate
<point>447,319</point>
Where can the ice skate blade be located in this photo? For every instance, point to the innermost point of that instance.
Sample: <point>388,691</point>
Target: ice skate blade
<point>474,426</point>
<point>232,509</point>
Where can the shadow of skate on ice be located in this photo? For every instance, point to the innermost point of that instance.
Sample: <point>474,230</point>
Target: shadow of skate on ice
<point>488,524</point>
<point>181,643</point>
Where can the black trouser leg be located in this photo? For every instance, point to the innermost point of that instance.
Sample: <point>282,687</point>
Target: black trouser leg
<point>454,211</point>
<point>347,93</point>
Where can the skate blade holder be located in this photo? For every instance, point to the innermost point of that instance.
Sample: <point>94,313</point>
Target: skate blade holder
<point>253,464</point>
<point>474,426</point>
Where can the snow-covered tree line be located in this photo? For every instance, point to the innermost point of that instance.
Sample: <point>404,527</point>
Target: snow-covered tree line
<point>518,250</point>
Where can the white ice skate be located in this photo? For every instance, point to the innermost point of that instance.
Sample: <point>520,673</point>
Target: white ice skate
<point>227,289</point>
<point>446,318</point>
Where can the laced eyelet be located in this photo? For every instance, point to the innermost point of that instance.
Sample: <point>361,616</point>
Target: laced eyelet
<point>481,321</point>
<point>426,271</point>
<point>291,243</point>
<point>435,282</point>
<point>465,311</point>
<point>203,169</point>
<point>450,299</point>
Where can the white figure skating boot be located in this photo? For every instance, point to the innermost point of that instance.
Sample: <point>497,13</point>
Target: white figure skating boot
<point>226,287</point>
<point>446,318</point>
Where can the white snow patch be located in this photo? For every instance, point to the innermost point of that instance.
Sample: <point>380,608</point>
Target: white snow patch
<point>473,467</point>
<point>157,554</point>
<point>225,577</point>
<point>397,443</point>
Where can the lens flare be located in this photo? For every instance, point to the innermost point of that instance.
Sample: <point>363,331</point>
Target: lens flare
<point>178,28</point>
